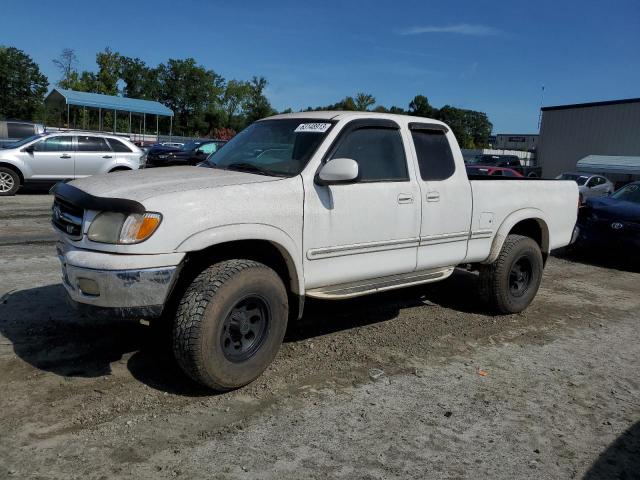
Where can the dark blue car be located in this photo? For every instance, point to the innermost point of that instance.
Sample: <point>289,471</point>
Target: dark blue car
<point>612,222</point>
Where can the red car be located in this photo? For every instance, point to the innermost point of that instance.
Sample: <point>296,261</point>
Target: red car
<point>493,171</point>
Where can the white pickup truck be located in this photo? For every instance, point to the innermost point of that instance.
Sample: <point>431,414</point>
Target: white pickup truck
<point>327,205</point>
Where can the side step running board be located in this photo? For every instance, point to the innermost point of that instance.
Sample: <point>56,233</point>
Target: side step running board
<point>381,284</point>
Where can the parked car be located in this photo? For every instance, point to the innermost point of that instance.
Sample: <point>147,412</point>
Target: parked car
<point>612,223</point>
<point>170,144</point>
<point>507,161</point>
<point>191,153</point>
<point>48,158</point>
<point>315,204</point>
<point>11,132</point>
<point>589,185</point>
<point>473,170</point>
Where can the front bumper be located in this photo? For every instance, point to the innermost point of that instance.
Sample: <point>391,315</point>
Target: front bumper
<point>125,285</point>
<point>617,242</point>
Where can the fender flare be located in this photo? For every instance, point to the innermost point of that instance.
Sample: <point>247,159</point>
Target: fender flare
<point>13,166</point>
<point>513,219</point>
<point>251,231</point>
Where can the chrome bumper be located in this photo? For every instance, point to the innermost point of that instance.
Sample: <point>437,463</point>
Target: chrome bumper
<point>137,291</point>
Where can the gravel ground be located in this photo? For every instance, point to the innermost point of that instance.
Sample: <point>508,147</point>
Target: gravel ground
<point>418,383</point>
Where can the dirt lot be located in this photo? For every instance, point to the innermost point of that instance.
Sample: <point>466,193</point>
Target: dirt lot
<point>550,393</point>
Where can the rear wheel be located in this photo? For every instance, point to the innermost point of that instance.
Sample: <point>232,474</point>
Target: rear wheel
<point>9,182</point>
<point>230,324</point>
<point>512,281</point>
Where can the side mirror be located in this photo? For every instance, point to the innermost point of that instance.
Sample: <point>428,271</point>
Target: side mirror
<point>338,171</point>
<point>29,149</point>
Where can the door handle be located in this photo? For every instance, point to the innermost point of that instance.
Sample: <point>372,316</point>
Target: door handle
<point>65,156</point>
<point>433,196</point>
<point>107,156</point>
<point>405,198</point>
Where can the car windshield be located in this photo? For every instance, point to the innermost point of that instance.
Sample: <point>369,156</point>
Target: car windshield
<point>630,193</point>
<point>576,177</point>
<point>24,141</point>
<point>483,160</point>
<point>190,146</point>
<point>272,147</point>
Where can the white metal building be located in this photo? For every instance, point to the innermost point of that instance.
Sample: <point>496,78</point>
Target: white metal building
<point>569,133</point>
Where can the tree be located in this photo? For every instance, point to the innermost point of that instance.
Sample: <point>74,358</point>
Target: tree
<point>420,107</point>
<point>190,91</point>
<point>397,110</point>
<point>236,93</point>
<point>257,106</point>
<point>22,85</point>
<point>108,72</point>
<point>67,64</point>
<point>364,101</point>
<point>140,80</point>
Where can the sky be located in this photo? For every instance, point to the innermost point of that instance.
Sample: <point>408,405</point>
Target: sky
<point>492,56</point>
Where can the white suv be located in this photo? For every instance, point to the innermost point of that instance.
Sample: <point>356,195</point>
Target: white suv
<point>48,158</point>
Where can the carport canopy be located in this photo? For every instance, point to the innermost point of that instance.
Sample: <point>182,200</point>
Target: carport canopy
<point>61,97</point>
<point>626,165</point>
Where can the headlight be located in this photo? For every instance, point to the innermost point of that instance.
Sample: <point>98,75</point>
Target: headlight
<point>120,228</point>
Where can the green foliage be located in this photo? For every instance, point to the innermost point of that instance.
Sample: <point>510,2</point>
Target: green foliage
<point>256,105</point>
<point>22,85</point>
<point>67,63</point>
<point>364,101</point>
<point>471,128</point>
<point>108,72</point>
<point>420,107</point>
<point>202,101</point>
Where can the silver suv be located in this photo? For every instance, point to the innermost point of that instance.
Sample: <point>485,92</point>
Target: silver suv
<point>48,158</point>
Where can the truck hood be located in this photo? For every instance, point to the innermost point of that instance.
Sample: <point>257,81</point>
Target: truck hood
<point>142,184</point>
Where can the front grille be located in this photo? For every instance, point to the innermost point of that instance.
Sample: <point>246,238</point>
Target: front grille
<point>614,228</point>
<point>67,218</point>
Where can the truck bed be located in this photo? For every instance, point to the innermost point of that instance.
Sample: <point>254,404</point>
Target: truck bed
<point>499,205</point>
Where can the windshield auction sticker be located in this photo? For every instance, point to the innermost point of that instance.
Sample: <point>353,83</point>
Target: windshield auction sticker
<point>312,127</point>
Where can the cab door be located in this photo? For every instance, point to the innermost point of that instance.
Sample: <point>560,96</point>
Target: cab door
<point>446,199</point>
<point>93,155</point>
<point>52,158</point>
<point>368,228</point>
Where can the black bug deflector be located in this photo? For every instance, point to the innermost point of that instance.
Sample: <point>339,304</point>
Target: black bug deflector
<point>86,201</point>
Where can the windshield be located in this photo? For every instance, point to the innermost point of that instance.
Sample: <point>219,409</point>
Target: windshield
<point>189,146</point>
<point>630,193</point>
<point>579,179</point>
<point>24,141</point>
<point>272,147</point>
<point>483,160</point>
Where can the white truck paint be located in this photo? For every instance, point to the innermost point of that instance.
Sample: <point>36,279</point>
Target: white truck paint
<point>337,241</point>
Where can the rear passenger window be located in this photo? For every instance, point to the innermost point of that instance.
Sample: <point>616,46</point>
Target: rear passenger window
<point>118,146</point>
<point>434,154</point>
<point>379,153</point>
<point>92,144</point>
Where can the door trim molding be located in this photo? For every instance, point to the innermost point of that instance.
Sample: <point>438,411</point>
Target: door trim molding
<point>477,234</point>
<point>357,248</point>
<point>444,238</point>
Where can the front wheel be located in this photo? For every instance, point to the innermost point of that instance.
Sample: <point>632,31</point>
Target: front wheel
<point>510,283</point>
<point>9,182</point>
<point>230,324</point>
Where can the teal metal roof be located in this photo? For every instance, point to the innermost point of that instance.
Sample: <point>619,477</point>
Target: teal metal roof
<point>110,102</point>
<point>610,164</point>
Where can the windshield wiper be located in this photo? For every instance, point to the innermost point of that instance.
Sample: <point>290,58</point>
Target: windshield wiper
<point>251,168</point>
